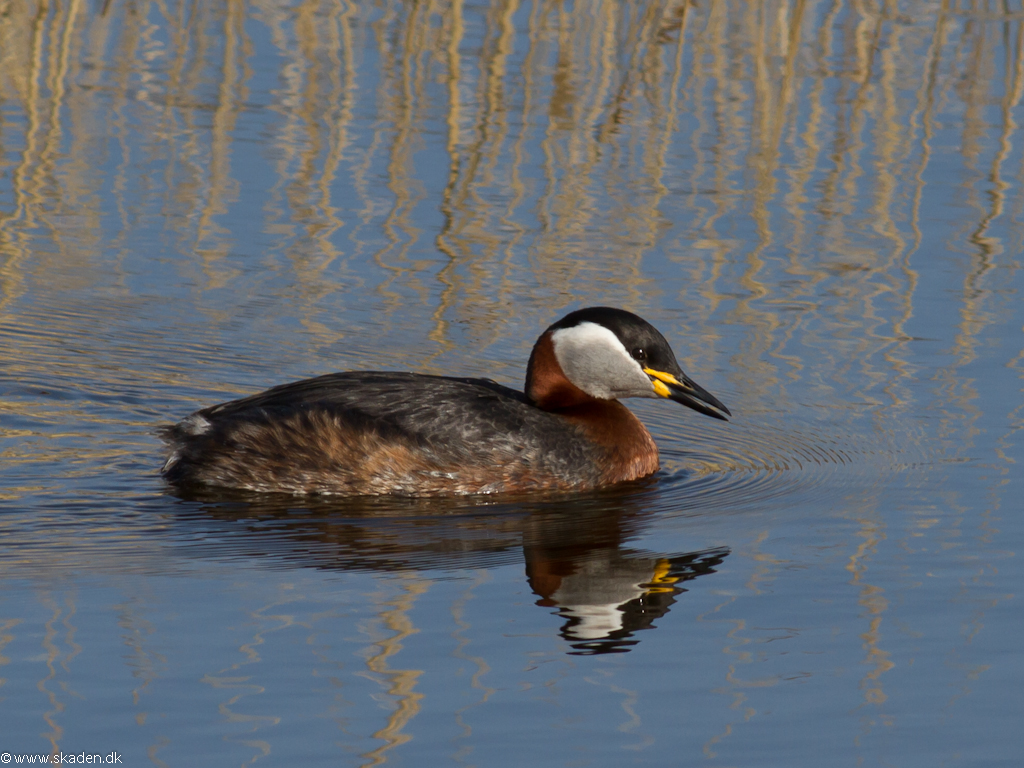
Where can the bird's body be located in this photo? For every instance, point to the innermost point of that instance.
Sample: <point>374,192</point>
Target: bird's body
<point>404,433</point>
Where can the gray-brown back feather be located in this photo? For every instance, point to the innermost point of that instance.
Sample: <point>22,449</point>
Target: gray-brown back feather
<point>381,432</point>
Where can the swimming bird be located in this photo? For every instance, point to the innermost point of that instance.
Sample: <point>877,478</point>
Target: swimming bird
<point>360,433</point>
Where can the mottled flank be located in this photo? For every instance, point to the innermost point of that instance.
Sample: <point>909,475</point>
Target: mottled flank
<point>377,433</point>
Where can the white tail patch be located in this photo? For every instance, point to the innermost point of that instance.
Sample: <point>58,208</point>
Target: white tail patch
<point>195,425</point>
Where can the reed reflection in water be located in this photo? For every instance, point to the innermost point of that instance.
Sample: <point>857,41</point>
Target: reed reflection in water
<point>818,203</point>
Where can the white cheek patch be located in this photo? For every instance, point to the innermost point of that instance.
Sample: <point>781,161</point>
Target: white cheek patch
<point>593,358</point>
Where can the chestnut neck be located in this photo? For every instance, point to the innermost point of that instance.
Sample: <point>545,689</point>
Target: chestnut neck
<point>546,384</point>
<point>630,451</point>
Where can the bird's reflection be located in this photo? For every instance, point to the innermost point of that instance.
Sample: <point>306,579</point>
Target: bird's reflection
<point>608,595</point>
<point>604,591</point>
<point>574,549</point>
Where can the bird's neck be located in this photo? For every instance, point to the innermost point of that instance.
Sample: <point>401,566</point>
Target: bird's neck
<point>629,448</point>
<point>547,386</point>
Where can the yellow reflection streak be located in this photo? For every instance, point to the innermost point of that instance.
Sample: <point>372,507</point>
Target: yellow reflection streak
<point>480,665</point>
<point>628,699</point>
<point>24,178</point>
<point>232,93</point>
<point>404,74</point>
<point>966,407</point>
<point>400,683</point>
<point>144,662</point>
<point>345,91</point>
<point>322,95</point>
<point>468,237</point>
<point>671,116</point>
<point>638,203</point>
<point>895,284</point>
<point>499,117</point>
<point>696,85</point>
<point>101,38</point>
<point>452,199</point>
<point>5,638</point>
<point>875,605</point>
<point>53,653</point>
<point>989,247</point>
<point>767,565</point>
<point>246,685</point>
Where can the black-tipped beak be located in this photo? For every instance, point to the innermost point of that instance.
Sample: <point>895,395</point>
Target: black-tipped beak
<point>686,391</point>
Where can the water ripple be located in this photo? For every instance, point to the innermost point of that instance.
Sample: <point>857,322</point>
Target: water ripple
<point>752,463</point>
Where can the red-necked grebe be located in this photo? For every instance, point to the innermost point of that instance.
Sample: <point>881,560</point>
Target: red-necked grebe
<point>405,433</point>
